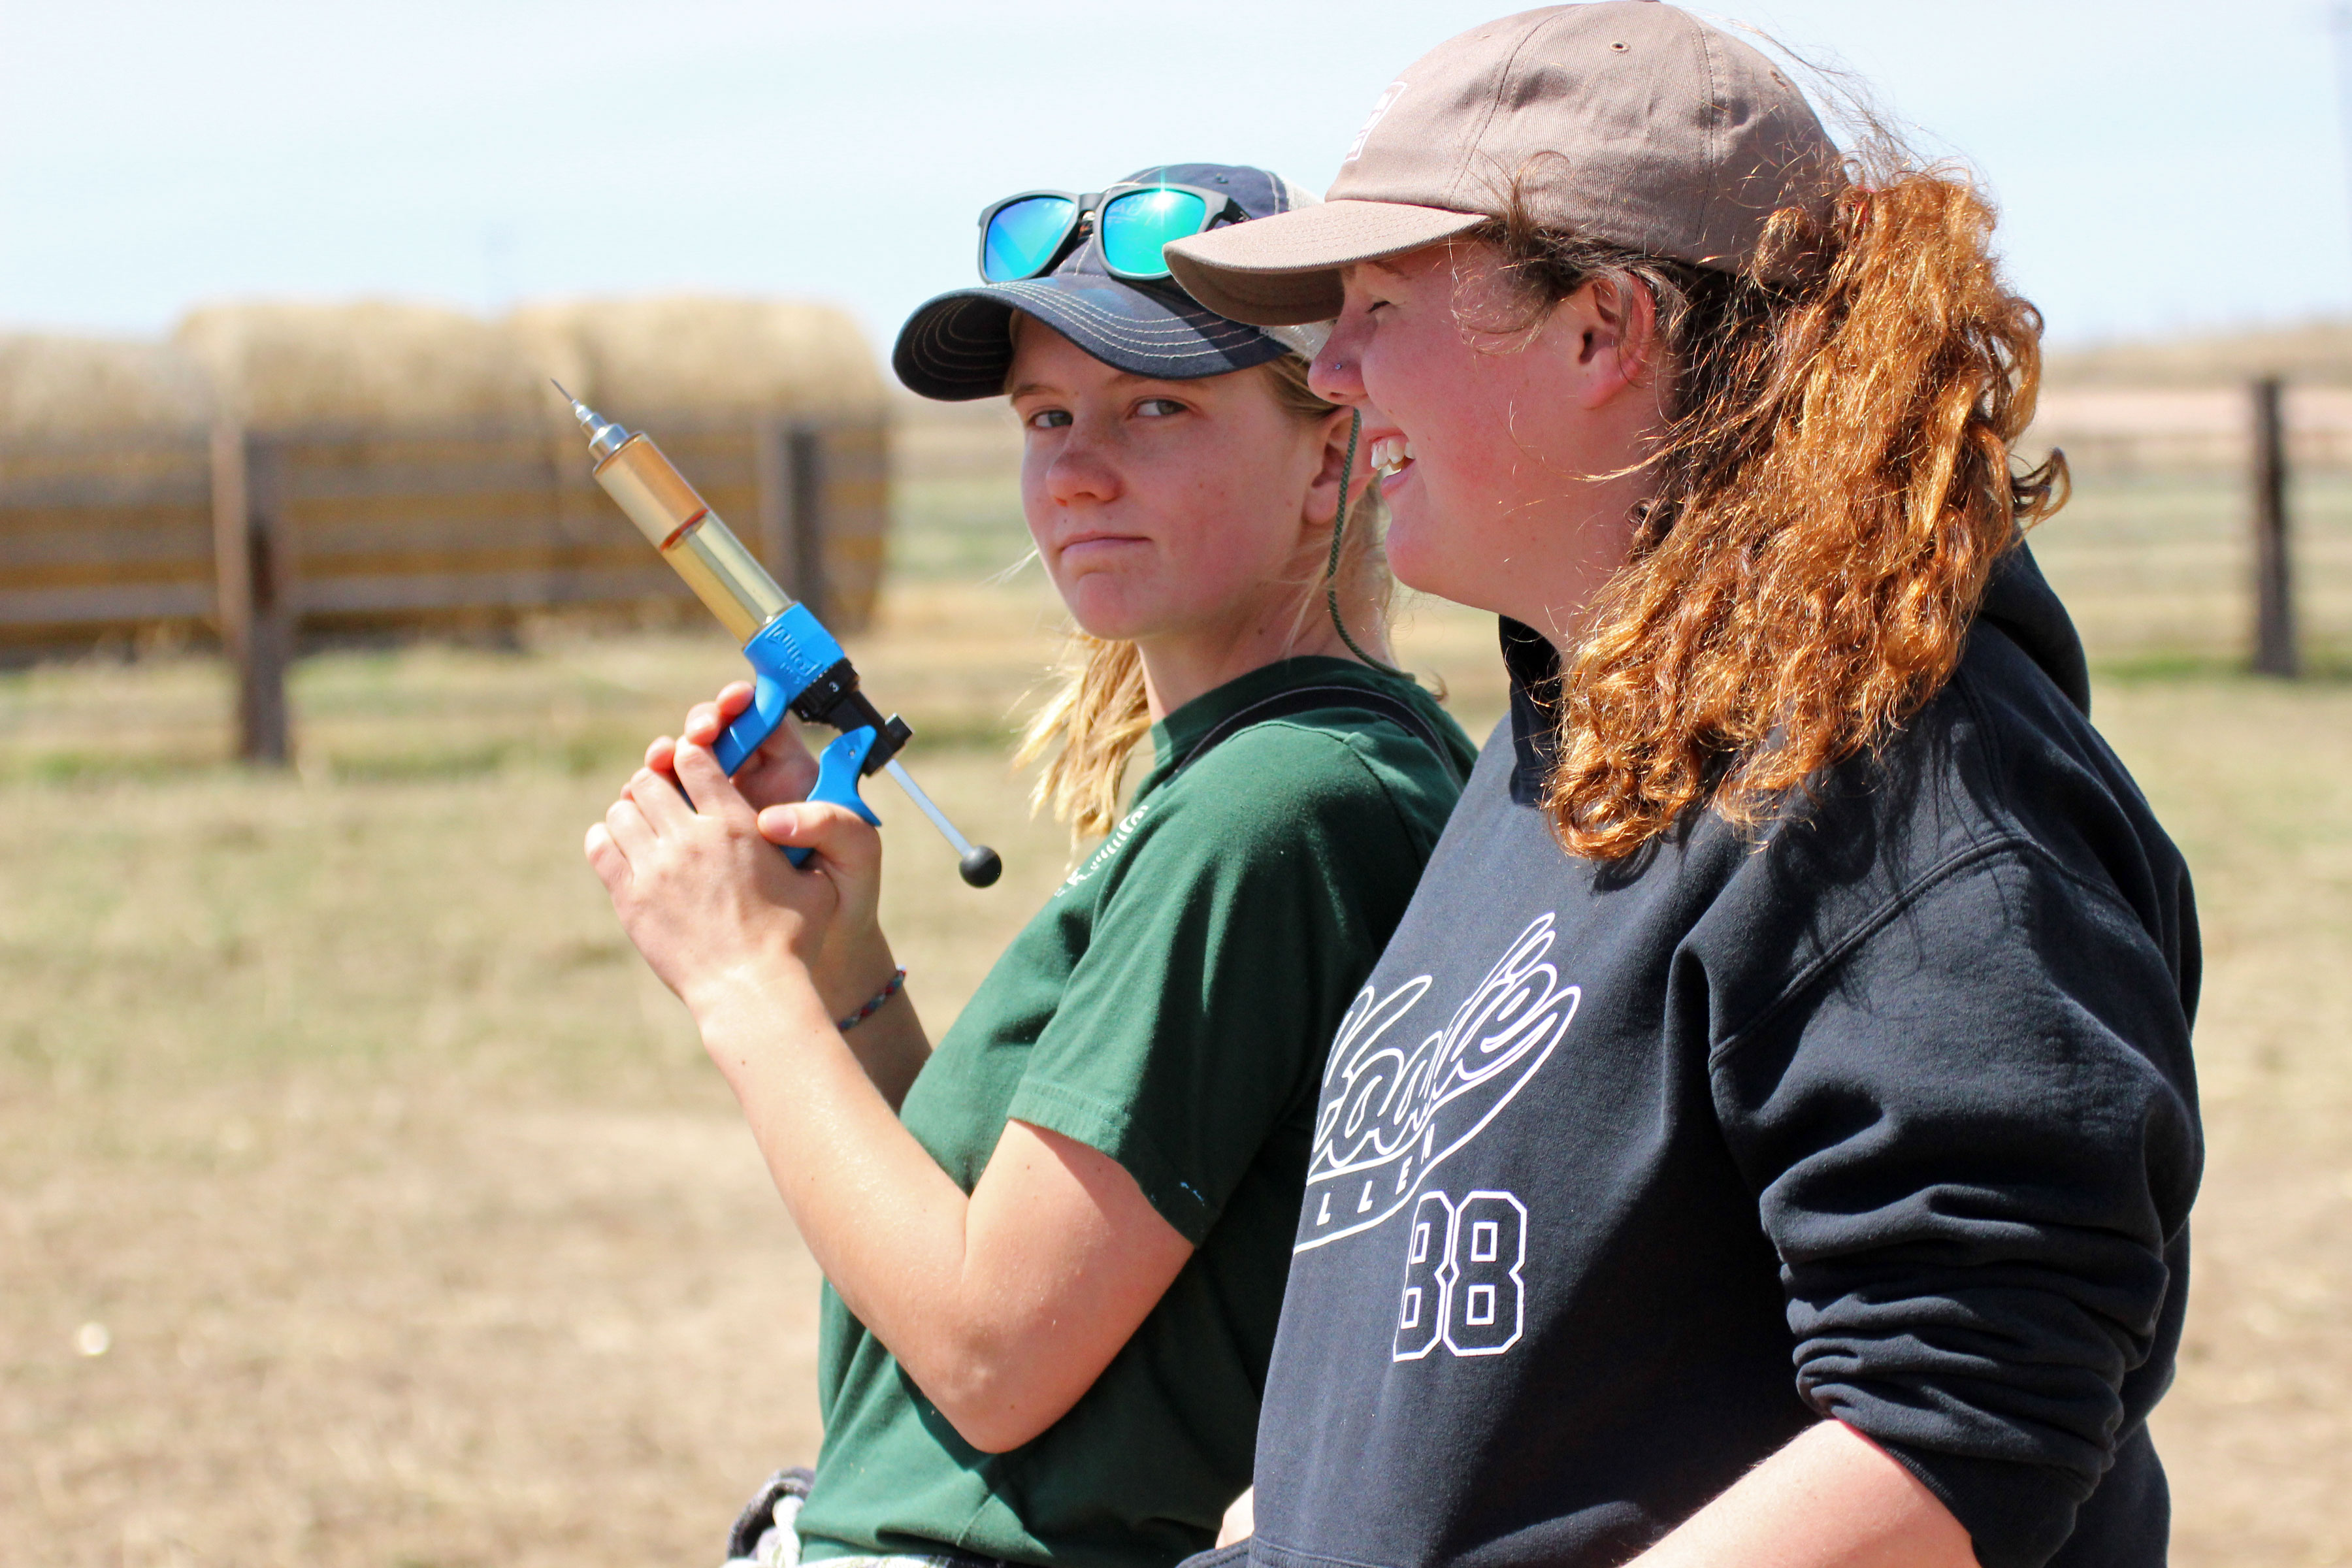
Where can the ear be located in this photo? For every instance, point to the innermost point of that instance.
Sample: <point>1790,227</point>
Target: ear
<point>1612,334</point>
<point>1323,494</point>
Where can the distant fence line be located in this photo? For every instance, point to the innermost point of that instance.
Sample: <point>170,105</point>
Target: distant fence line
<point>2189,430</point>
<point>259,538</point>
<point>2190,534</point>
<point>2205,522</point>
<point>262,539</point>
<point>2156,431</point>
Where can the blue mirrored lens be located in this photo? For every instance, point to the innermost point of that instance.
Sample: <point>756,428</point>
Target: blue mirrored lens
<point>1136,224</point>
<point>1022,237</point>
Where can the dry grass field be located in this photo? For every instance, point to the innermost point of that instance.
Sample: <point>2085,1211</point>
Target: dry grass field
<point>363,1202</point>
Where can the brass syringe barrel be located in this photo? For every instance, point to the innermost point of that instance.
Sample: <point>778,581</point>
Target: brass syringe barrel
<point>691,538</point>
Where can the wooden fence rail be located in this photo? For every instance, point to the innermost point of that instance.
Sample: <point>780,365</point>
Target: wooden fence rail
<point>259,538</point>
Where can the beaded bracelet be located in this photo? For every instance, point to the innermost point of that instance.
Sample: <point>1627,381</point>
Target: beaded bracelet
<point>897,981</point>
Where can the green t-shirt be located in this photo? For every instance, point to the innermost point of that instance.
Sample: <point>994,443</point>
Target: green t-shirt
<point>1171,1007</point>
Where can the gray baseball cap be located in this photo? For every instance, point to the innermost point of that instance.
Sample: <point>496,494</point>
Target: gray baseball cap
<point>1627,121</point>
<point>958,346</point>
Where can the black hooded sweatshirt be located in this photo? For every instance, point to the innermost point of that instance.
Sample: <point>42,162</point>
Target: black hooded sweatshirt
<point>1624,1174</point>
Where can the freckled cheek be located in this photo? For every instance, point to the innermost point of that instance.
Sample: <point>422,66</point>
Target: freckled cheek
<point>1214,549</point>
<point>1420,389</point>
<point>1448,448</point>
<point>1196,542</point>
<point>1179,490</point>
<point>1467,436</point>
<point>1036,500</point>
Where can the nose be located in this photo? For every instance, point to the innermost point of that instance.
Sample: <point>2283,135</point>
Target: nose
<point>1336,375</point>
<point>1080,471</point>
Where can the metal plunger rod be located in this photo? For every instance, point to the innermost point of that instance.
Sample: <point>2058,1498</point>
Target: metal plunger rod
<point>939,819</point>
<point>977,862</point>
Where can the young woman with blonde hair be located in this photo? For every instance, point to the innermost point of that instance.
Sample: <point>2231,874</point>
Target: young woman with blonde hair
<point>1054,1244</point>
<point>1769,1136</point>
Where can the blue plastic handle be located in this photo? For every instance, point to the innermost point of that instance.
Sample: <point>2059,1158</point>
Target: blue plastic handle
<point>752,725</point>
<point>838,767</point>
<point>788,656</point>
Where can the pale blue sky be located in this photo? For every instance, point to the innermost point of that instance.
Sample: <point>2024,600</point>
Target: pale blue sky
<point>2160,165</point>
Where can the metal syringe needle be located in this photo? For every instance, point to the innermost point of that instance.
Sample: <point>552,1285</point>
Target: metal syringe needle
<point>604,438</point>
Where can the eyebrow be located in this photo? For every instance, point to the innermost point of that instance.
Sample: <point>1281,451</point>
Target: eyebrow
<point>1126,378</point>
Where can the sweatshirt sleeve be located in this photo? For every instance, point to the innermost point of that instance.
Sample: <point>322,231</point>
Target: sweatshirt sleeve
<point>1972,1137</point>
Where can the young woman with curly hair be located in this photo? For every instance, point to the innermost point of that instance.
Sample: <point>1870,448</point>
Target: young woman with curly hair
<point>1769,1136</point>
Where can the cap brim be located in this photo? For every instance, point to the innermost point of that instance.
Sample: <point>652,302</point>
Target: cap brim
<point>958,346</point>
<point>1284,269</point>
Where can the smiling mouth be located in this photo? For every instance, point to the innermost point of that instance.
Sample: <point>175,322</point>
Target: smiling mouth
<point>1391,455</point>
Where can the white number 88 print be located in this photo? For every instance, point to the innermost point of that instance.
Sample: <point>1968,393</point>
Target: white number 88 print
<point>1462,1283</point>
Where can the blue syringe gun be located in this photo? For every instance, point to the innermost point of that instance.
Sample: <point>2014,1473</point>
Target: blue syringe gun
<point>796,665</point>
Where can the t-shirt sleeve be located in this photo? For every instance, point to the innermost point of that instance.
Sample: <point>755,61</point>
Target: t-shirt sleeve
<point>1973,1143</point>
<point>1235,928</point>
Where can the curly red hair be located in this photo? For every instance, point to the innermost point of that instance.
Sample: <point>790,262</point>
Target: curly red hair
<point>1833,492</point>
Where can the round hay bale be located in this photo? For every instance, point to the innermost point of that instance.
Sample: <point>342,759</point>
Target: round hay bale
<point>705,357</point>
<point>376,365</point>
<point>2312,352</point>
<point>62,387</point>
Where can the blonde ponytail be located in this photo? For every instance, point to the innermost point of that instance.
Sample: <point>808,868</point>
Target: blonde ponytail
<point>1098,711</point>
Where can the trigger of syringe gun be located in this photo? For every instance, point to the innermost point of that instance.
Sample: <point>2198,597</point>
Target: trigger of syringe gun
<point>796,665</point>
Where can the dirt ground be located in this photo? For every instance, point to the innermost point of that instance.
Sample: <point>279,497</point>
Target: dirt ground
<point>363,1201</point>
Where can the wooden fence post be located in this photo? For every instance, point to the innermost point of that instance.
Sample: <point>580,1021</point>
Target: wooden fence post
<point>791,469</point>
<point>249,589</point>
<point>2275,652</point>
<point>809,521</point>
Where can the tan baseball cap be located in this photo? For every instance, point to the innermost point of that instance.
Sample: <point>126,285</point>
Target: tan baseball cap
<point>1627,121</point>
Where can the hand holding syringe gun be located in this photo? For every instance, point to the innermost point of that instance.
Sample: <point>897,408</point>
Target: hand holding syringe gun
<point>797,667</point>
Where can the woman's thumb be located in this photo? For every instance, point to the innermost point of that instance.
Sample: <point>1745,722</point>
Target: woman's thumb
<point>835,832</point>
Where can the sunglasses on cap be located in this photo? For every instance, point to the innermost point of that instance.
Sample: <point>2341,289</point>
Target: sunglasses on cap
<point>1029,235</point>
